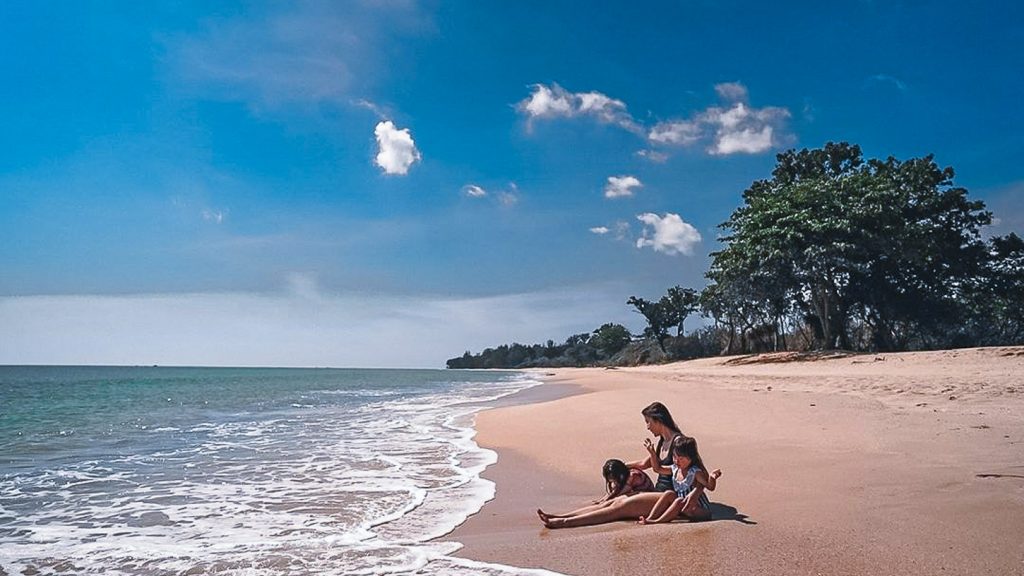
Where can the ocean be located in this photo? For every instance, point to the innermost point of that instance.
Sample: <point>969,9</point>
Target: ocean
<point>159,470</point>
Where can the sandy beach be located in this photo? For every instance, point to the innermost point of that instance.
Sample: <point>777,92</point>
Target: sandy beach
<point>907,463</point>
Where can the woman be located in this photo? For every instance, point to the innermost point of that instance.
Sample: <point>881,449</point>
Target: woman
<point>660,423</point>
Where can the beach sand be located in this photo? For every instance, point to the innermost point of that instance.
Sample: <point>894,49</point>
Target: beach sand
<point>907,463</point>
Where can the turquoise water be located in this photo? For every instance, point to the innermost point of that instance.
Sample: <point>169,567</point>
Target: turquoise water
<point>147,470</point>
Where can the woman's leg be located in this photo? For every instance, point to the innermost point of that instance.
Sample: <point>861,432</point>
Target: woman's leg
<point>579,511</point>
<point>628,508</point>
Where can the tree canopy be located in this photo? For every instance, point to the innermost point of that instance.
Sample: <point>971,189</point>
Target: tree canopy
<point>866,254</point>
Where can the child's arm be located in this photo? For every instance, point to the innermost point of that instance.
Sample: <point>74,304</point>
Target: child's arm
<point>653,457</point>
<point>709,481</point>
<point>614,492</point>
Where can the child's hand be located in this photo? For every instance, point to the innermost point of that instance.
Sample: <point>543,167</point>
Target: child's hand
<point>716,473</point>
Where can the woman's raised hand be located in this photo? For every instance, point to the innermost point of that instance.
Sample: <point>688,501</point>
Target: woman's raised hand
<point>649,446</point>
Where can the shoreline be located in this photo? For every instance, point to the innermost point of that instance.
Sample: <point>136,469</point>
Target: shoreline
<point>908,464</point>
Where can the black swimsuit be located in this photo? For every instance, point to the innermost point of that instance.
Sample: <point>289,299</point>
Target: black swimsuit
<point>664,483</point>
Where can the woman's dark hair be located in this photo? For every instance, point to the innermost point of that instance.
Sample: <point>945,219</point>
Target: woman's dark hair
<point>657,411</point>
<point>687,446</point>
<point>615,471</point>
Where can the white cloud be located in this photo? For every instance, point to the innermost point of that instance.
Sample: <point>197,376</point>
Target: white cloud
<point>213,215</point>
<point>887,79</point>
<point>668,234</point>
<point>622,230</point>
<point>301,53</point>
<point>397,151</point>
<point>735,128</point>
<point>678,132</point>
<point>508,198</point>
<point>742,129</point>
<point>378,110</point>
<point>547,102</point>
<point>732,91</point>
<point>621,186</point>
<point>474,191</point>
<point>652,155</point>
<point>747,140</point>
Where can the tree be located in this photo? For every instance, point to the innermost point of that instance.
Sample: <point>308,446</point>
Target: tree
<point>996,296</point>
<point>882,248</point>
<point>610,338</point>
<point>657,316</point>
<point>678,304</point>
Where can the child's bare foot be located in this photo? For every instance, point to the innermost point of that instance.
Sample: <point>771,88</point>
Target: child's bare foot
<point>642,520</point>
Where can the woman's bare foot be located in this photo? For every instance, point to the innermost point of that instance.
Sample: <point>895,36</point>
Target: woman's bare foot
<point>554,522</point>
<point>543,517</point>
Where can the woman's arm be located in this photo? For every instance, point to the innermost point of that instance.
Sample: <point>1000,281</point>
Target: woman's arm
<point>653,457</point>
<point>640,464</point>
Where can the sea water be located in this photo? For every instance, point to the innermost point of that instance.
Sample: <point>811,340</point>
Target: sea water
<point>153,470</point>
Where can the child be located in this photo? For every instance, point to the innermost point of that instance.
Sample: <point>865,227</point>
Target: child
<point>689,480</point>
<point>620,480</point>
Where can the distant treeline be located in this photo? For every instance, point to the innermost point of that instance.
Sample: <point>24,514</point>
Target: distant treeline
<point>833,251</point>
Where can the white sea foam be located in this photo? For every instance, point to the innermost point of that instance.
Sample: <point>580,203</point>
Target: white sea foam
<point>323,488</point>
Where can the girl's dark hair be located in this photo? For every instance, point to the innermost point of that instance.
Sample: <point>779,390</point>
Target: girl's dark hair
<point>657,411</point>
<point>614,471</point>
<point>687,446</point>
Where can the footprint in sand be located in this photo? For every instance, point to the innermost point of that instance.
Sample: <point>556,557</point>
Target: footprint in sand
<point>992,475</point>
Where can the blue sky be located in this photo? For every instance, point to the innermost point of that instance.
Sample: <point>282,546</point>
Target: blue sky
<point>391,183</point>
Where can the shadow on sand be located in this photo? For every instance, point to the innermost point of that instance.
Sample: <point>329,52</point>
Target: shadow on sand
<point>721,511</point>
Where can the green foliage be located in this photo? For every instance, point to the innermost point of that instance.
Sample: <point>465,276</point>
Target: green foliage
<point>868,254</point>
<point>670,311</point>
<point>586,349</point>
<point>610,338</point>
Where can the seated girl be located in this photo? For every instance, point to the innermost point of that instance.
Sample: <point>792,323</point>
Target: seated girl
<point>689,480</point>
<point>621,480</point>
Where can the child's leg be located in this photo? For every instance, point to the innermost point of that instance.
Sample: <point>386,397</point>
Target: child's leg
<point>671,512</point>
<point>620,509</point>
<point>664,501</point>
<point>694,511</point>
